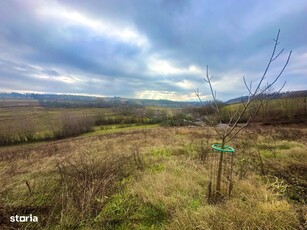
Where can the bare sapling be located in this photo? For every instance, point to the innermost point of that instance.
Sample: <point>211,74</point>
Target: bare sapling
<point>247,109</point>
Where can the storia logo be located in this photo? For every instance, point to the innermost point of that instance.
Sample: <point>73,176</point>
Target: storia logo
<point>29,218</point>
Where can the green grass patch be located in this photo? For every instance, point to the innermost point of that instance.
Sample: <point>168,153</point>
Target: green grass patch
<point>158,152</point>
<point>32,189</point>
<point>195,203</point>
<point>156,168</point>
<point>126,211</point>
<point>117,128</point>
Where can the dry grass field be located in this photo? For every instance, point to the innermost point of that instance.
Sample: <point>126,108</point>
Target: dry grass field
<point>155,179</point>
<point>27,122</point>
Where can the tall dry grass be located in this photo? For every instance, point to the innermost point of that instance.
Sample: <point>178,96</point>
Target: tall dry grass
<point>22,131</point>
<point>153,179</point>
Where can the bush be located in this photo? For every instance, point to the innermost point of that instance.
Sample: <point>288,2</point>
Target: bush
<point>21,131</point>
<point>72,125</point>
<point>177,120</point>
<point>87,182</point>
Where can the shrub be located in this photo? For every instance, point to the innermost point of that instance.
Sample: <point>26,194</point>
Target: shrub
<point>21,131</point>
<point>87,182</point>
<point>72,125</point>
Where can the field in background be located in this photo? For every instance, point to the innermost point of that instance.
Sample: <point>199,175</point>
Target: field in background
<point>27,121</point>
<point>282,111</point>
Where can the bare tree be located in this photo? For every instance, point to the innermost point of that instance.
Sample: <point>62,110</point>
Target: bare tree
<point>257,97</point>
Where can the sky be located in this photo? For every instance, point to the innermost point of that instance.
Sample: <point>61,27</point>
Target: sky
<point>153,49</point>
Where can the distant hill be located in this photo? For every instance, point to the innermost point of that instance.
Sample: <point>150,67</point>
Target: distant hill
<point>75,101</point>
<point>289,94</point>
<point>71,101</point>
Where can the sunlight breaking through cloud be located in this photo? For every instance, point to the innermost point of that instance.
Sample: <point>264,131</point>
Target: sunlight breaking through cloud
<point>98,26</point>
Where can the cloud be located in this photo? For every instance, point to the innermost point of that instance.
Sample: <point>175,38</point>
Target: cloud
<point>155,49</point>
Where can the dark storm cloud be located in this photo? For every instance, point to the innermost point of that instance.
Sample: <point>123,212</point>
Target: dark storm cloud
<point>85,47</point>
<point>68,47</point>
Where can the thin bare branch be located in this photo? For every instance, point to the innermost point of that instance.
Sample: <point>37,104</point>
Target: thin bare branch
<point>198,96</point>
<point>247,87</point>
<point>269,63</point>
<point>254,95</point>
<point>278,54</point>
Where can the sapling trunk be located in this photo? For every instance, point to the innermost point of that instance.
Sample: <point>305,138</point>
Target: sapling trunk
<point>219,170</point>
<point>219,174</point>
